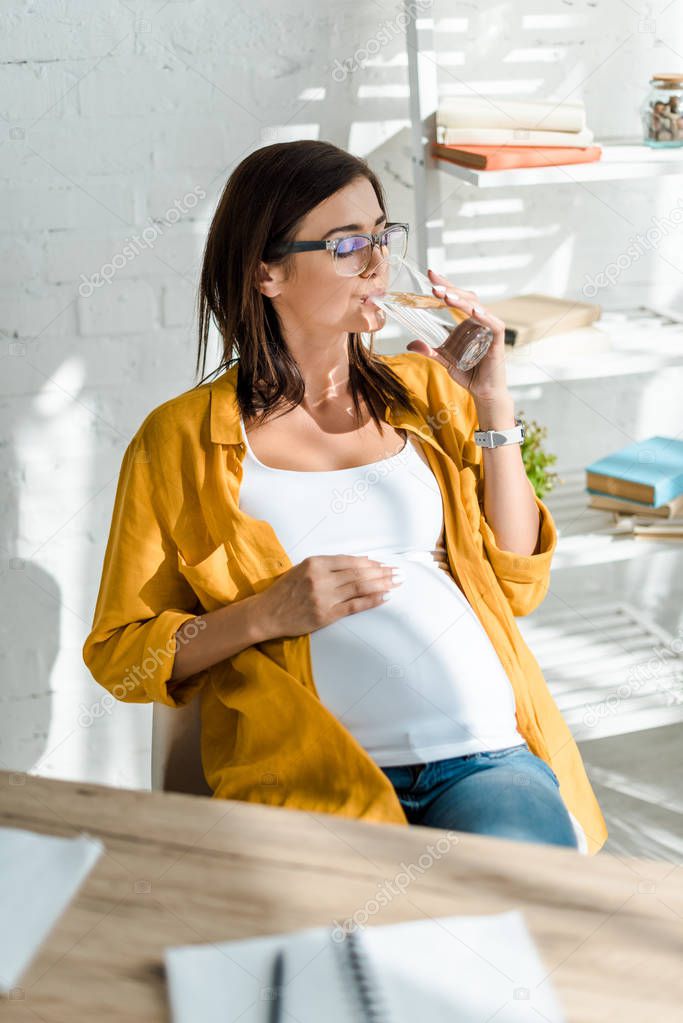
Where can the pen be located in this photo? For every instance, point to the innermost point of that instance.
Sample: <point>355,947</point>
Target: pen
<point>276,988</point>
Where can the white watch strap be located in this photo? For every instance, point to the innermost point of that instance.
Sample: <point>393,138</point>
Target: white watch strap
<point>498,438</point>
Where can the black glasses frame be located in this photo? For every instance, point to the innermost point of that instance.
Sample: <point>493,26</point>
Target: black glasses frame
<point>332,244</point>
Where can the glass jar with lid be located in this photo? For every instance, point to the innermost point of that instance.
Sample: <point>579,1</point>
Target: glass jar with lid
<point>662,111</point>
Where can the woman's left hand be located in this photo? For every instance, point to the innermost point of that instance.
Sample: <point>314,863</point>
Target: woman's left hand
<point>487,379</point>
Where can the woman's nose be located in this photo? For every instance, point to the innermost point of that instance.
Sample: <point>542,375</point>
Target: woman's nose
<point>377,259</point>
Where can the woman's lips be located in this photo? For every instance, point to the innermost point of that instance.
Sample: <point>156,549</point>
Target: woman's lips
<point>367,299</point>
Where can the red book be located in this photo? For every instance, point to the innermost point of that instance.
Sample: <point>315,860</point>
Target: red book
<point>507,157</point>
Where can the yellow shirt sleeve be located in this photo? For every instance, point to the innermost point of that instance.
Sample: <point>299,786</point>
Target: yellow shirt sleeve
<point>142,599</point>
<point>524,580</point>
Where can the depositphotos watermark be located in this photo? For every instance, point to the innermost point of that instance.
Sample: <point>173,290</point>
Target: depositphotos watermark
<point>342,499</point>
<point>138,673</point>
<point>657,673</point>
<point>145,240</point>
<point>387,31</point>
<point>397,885</point>
<point>639,246</point>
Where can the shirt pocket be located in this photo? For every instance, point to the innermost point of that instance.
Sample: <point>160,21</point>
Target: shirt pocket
<point>211,578</point>
<point>226,575</point>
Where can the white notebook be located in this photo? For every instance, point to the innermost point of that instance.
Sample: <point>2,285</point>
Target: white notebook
<point>464,968</point>
<point>39,875</point>
<point>485,112</point>
<point>512,137</point>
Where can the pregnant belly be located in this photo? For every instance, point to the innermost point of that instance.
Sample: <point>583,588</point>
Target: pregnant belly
<point>420,663</point>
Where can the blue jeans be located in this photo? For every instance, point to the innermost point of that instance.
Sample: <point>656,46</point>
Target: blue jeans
<point>508,792</point>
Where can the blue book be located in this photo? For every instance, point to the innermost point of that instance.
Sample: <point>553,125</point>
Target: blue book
<point>649,472</point>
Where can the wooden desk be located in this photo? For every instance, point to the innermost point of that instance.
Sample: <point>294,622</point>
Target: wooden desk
<point>182,870</point>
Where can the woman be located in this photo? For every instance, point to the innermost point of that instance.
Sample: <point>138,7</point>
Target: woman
<point>259,520</point>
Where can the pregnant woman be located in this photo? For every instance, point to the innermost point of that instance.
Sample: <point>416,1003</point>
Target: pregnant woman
<point>315,546</point>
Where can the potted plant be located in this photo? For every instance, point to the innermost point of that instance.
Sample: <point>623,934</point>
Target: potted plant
<point>536,459</point>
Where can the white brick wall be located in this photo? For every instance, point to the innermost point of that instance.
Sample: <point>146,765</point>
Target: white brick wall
<point>110,119</point>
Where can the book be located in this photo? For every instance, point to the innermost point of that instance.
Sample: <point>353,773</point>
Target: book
<point>652,529</point>
<point>530,317</point>
<point>464,968</point>
<point>510,157</point>
<point>511,137</point>
<point>649,471</point>
<point>485,112</point>
<point>621,506</point>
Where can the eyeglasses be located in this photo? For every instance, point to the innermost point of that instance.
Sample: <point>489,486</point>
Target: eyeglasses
<point>352,254</point>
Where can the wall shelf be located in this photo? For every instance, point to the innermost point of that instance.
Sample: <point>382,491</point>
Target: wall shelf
<point>622,159</point>
<point>618,163</point>
<point>640,340</point>
<point>590,536</point>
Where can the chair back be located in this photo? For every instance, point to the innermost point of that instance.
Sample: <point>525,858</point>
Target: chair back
<point>176,759</point>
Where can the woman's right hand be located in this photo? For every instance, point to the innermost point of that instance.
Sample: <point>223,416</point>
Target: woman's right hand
<point>323,588</point>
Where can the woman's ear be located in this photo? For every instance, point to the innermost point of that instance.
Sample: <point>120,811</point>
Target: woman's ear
<point>269,278</point>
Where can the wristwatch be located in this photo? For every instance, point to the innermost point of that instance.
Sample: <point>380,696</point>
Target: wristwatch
<point>497,438</point>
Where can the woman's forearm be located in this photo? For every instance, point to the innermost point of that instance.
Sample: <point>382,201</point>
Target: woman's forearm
<point>509,503</point>
<point>217,635</point>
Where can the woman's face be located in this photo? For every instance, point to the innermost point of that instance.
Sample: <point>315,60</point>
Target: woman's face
<point>314,298</point>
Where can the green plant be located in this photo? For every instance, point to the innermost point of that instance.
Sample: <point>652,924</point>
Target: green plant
<point>536,459</point>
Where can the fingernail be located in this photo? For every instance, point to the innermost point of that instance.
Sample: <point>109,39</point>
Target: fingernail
<point>439,289</point>
<point>452,297</point>
<point>398,576</point>
<point>388,595</point>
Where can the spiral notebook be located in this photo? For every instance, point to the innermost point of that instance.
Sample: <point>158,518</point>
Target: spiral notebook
<point>464,968</point>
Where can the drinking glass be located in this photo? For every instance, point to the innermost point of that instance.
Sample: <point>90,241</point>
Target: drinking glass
<point>409,301</point>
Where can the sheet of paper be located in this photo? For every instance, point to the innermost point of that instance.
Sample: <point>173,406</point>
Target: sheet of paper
<point>39,875</point>
<point>469,968</point>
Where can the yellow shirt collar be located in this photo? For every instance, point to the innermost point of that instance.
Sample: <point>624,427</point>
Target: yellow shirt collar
<point>225,419</point>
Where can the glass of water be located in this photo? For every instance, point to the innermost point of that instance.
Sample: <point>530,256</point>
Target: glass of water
<point>409,301</point>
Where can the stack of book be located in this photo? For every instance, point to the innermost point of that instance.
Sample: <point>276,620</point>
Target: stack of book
<point>642,484</point>
<point>487,133</point>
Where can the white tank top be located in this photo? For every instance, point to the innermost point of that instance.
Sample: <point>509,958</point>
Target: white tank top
<point>415,678</point>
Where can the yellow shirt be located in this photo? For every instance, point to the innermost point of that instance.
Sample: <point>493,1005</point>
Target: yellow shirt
<point>179,544</point>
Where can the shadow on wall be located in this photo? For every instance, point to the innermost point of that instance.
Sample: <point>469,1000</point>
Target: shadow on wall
<point>31,630</point>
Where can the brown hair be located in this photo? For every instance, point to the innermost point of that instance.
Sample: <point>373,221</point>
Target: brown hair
<point>263,201</point>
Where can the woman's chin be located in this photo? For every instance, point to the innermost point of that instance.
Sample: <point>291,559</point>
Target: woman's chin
<point>372,317</point>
